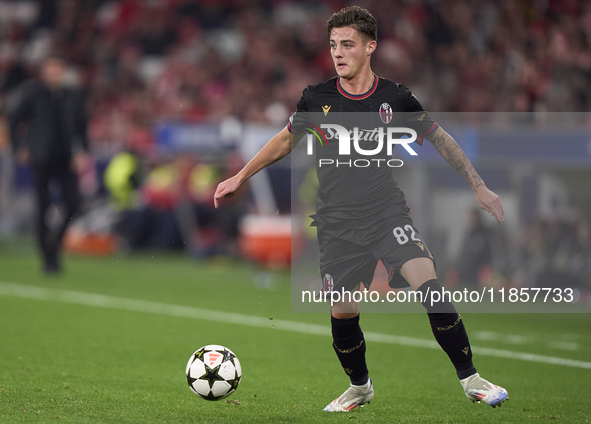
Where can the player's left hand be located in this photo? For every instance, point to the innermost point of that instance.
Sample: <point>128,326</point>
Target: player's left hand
<point>490,202</point>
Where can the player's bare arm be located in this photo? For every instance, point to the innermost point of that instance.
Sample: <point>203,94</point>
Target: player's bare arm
<point>277,148</point>
<point>449,150</point>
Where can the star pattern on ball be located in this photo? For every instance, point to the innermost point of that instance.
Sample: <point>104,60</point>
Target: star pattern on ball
<point>228,356</point>
<point>199,364</point>
<point>191,380</point>
<point>196,355</point>
<point>199,355</point>
<point>235,381</point>
<point>212,375</point>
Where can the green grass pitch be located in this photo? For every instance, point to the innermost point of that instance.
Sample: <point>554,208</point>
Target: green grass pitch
<point>72,362</point>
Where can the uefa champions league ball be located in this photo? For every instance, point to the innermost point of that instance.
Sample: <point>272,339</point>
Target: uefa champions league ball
<point>213,372</point>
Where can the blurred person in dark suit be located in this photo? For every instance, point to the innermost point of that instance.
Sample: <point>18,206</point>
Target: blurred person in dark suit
<point>48,131</point>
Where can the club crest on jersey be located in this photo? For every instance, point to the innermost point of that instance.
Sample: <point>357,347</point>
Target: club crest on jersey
<point>386,113</point>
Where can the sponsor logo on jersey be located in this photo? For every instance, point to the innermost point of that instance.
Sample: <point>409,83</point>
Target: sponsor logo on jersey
<point>385,113</point>
<point>325,109</point>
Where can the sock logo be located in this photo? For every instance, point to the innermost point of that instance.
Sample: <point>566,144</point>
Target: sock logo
<point>466,350</point>
<point>348,371</point>
<point>449,327</point>
<point>349,350</point>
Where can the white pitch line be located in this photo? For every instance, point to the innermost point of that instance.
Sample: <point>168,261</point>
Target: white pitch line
<point>491,336</point>
<point>126,304</point>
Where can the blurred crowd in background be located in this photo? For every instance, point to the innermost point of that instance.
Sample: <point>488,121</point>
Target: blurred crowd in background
<point>547,253</point>
<point>146,60</point>
<point>142,62</point>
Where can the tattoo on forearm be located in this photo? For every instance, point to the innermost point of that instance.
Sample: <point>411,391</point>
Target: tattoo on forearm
<point>449,149</point>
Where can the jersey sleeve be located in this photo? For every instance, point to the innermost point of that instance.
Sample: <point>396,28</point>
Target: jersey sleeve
<point>416,118</point>
<point>297,121</point>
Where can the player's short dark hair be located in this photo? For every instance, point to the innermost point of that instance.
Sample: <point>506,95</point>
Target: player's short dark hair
<point>354,17</point>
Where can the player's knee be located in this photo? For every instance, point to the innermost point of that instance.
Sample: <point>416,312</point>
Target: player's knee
<point>344,315</point>
<point>434,298</point>
<point>344,310</point>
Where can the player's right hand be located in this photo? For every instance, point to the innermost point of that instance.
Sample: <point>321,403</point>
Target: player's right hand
<point>226,189</point>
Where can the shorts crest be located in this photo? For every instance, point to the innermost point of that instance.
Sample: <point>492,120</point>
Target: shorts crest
<point>327,283</point>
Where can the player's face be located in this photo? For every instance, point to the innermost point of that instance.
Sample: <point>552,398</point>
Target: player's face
<point>350,51</point>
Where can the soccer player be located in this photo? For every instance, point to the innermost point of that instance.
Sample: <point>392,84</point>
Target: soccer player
<point>361,214</point>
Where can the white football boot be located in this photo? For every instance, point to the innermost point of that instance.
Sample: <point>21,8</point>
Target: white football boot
<point>353,397</point>
<point>477,389</point>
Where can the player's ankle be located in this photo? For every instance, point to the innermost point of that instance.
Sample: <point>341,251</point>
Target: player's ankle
<point>463,374</point>
<point>360,381</point>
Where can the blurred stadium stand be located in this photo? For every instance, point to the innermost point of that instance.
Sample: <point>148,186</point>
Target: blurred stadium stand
<point>207,82</point>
